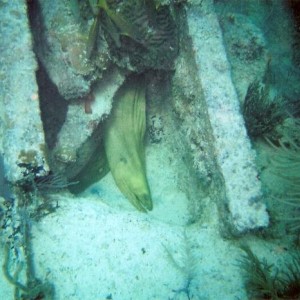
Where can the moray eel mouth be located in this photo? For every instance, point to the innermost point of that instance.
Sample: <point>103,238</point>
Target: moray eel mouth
<point>135,189</point>
<point>124,143</point>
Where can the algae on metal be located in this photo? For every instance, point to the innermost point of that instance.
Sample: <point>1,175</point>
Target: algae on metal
<point>140,34</point>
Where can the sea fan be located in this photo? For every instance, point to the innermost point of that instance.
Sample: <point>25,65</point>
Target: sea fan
<point>264,281</point>
<point>286,165</point>
<point>33,181</point>
<point>262,113</point>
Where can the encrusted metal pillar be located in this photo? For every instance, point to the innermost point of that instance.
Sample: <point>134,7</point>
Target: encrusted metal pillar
<point>21,126</point>
<point>233,152</point>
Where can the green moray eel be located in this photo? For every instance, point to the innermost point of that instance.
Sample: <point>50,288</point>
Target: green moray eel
<point>124,143</point>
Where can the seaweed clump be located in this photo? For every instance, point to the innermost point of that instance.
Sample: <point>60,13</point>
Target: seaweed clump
<point>34,289</point>
<point>18,212</point>
<point>264,281</point>
<point>258,279</point>
<point>140,35</point>
<point>37,182</point>
<point>286,165</point>
<point>262,113</point>
<point>18,265</point>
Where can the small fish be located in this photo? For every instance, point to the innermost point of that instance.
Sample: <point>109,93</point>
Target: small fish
<point>125,27</point>
<point>93,33</point>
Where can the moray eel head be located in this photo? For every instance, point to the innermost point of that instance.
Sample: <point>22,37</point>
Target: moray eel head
<point>132,182</point>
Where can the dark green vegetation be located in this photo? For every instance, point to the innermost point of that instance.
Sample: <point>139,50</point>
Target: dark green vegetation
<point>137,31</point>
<point>268,118</point>
<point>33,289</point>
<point>279,118</point>
<point>294,6</point>
<point>18,258</point>
<point>34,189</point>
<point>264,281</point>
<point>286,165</point>
<point>262,113</point>
<point>28,201</point>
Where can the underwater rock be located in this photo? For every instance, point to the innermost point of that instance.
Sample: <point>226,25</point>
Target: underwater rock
<point>61,36</point>
<point>60,47</point>
<point>23,139</point>
<point>124,143</point>
<point>80,134</point>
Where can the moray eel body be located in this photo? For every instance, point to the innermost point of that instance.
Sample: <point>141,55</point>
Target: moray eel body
<point>124,143</point>
<point>95,169</point>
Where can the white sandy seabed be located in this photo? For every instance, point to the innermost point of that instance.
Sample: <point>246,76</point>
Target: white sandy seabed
<point>98,247</point>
